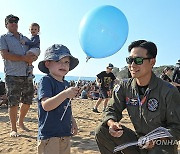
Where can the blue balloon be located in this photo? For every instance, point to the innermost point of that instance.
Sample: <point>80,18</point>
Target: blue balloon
<point>103,31</point>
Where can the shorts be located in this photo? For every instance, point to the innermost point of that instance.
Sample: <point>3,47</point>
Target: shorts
<point>54,145</point>
<point>103,93</point>
<point>19,89</point>
<point>35,51</point>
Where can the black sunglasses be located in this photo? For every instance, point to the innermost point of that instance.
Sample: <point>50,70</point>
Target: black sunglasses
<point>136,60</point>
<point>13,21</point>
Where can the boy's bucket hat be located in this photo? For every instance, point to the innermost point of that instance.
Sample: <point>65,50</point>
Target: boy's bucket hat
<point>55,53</point>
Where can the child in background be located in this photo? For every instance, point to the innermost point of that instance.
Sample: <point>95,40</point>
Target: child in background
<point>34,46</point>
<point>54,95</point>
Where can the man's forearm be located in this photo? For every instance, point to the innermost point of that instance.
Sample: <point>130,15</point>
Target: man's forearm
<point>13,57</point>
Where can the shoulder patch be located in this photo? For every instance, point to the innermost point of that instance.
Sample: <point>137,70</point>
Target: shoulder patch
<point>125,80</point>
<point>152,104</point>
<point>116,88</point>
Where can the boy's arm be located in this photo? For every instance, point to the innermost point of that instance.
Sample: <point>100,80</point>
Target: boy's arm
<point>34,41</point>
<point>49,104</point>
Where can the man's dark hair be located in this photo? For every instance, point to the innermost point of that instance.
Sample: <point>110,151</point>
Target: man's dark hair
<point>9,17</point>
<point>149,46</point>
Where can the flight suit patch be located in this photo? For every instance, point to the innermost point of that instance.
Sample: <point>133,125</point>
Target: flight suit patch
<point>152,104</point>
<point>131,101</point>
<point>116,88</point>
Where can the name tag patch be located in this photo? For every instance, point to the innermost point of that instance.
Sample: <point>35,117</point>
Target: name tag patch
<point>132,101</point>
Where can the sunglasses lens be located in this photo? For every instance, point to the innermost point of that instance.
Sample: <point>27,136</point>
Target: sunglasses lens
<point>138,60</point>
<point>13,21</point>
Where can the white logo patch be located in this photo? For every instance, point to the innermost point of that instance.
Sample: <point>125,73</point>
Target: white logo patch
<point>152,104</point>
<point>116,88</point>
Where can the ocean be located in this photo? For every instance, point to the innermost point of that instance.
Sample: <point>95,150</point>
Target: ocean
<point>68,78</point>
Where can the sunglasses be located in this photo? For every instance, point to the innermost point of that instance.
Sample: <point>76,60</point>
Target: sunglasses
<point>136,60</point>
<point>13,21</point>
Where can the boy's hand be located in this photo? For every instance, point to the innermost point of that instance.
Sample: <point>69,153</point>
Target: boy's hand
<point>74,127</point>
<point>22,42</point>
<point>72,92</point>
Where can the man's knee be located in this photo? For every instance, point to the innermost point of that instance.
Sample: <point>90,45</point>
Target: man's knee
<point>100,130</point>
<point>107,143</point>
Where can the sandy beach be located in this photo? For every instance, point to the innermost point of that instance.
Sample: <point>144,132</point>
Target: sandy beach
<point>26,143</point>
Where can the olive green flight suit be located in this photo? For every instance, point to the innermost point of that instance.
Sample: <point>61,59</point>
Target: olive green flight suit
<point>160,106</point>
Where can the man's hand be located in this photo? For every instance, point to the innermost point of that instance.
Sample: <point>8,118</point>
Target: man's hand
<point>148,145</point>
<point>98,84</point>
<point>115,128</point>
<point>110,93</point>
<point>22,42</point>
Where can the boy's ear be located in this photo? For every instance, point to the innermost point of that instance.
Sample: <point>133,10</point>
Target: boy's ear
<point>46,63</point>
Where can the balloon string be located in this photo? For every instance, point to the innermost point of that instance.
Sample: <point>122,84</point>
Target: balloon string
<point>87,58</point>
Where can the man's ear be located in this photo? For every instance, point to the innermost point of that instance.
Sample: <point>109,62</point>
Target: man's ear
<point>153,61</point>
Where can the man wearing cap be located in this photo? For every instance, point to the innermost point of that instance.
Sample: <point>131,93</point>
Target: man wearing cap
<point>15,66</point>
<point>176,75</point>
<point>150,103</point>
<point>105,80</point>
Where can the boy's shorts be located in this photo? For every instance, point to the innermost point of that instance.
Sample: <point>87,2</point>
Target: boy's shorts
<point>19,89</point>
<point>35,51</point>
<point>54,145</point>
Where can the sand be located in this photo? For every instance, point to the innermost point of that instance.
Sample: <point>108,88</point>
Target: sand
<point>26,143</point>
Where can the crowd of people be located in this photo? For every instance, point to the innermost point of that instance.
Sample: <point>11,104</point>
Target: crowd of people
<point>150,101</point>
<point>172,75</point>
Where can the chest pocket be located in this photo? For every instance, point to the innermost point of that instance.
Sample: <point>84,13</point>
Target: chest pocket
<point>14,45</point>
<point>133,109</point>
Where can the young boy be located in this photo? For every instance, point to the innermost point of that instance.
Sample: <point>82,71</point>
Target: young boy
<point>34,45</point>
<point>54,95</point>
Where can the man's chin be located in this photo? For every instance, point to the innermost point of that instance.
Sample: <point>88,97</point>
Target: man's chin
<point>134,75</point>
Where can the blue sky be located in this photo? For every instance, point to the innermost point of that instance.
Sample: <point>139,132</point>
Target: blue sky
<point>153,20</point>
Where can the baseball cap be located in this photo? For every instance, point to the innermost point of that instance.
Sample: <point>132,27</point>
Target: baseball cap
<point>57,52</point>
<point>10,18</point>
<point>110,66</point>
<point>178,62</point>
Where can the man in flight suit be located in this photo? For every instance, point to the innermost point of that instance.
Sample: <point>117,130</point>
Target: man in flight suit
<point>150,102</point>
